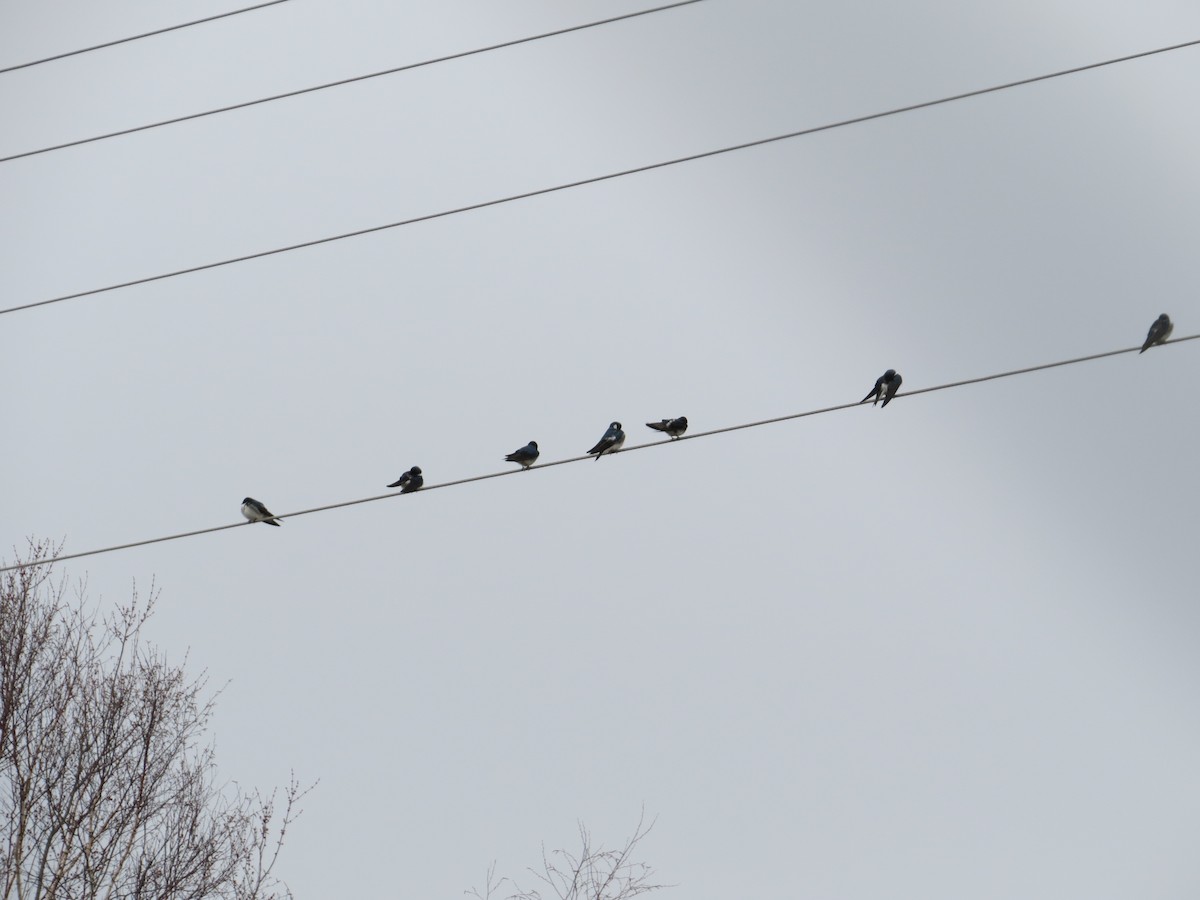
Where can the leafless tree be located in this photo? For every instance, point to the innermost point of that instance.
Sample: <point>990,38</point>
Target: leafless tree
<point>592,873</point>
<point>106,792</point>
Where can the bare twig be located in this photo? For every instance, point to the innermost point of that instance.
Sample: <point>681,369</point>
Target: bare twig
<point>593,873</point>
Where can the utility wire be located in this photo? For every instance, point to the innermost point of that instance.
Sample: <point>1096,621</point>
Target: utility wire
<point>592,180</point>
<point>138,37</point>
<point>575,459</point>
<point>344,81</point>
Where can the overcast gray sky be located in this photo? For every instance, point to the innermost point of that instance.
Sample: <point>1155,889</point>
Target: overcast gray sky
<point>941,650</point>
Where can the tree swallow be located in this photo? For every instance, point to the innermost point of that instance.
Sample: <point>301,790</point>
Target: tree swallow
<point>885,388</point>
<point>256,512</point>
<point>611,442</point>
<point>410,481</point>
<point>526,456</point>
<point>673,427</point>
<point>1159,332</point>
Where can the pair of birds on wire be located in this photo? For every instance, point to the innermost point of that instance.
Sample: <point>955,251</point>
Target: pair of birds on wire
<point>256,511</point>
<point>889,382</point>
<point>886,386</point>
<point>614,438</point>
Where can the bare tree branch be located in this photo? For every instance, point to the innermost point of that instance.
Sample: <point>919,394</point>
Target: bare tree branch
<point>593,873</point>
<point>106,790</point>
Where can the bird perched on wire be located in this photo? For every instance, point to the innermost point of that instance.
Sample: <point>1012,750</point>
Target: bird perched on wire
<point>410,481</point>
<point>526,456</point>
<point>885,388</point>
<point>611,442</point>
<point>256,512</point>
<point>1159,332</point>
<point>674,427</point>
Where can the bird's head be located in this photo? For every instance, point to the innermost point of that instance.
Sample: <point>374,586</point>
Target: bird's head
<point>415,470</point>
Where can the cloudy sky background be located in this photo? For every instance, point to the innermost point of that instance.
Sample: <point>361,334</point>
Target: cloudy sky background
<point>944,649</point>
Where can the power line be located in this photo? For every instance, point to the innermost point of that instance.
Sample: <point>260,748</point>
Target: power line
<point>575,459</point>
<point>344,81</point>
<point>593,180</point>
<point>138,37</point>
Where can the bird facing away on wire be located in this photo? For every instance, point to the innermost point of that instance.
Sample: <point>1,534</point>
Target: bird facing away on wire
<point>674,427</point>
<point>256,512</point>
<point>885,388</point>
<point>611,442</point>
<point>1159,332</point>
<point>526,456</point>
<point>410,481</point>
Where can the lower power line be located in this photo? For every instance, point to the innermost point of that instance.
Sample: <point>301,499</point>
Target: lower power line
<point>575,459</point>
